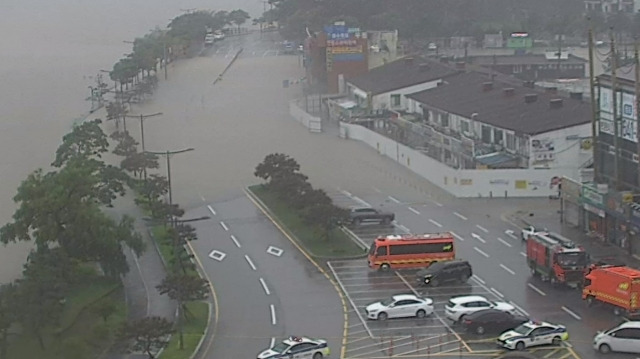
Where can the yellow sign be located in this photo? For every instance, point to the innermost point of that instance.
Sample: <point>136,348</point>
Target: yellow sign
<point>346,49</point>
<point>521,184</point>
<point>466,181</point>
<point>585,144</point>
<point>627,197</point>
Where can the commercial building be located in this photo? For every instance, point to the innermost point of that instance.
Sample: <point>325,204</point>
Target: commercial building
<point>611,6</point>
<point>535,67</point>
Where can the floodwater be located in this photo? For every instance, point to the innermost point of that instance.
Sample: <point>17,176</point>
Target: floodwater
<point>51,51</point>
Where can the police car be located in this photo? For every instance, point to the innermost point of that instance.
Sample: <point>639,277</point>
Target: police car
<point>533,334</point>
<point>297,348</point>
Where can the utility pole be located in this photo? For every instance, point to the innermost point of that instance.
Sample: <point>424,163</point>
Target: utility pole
<point>168,155</point>
<point>142,118</point>
<point>614,98</point>
<point>595,113</point>
<point>166,62</point>
<point>636,65</point>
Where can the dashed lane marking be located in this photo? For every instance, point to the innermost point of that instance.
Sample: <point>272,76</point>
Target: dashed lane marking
<point>536,289</point>
<point>235,241</point>
<point>435,223</point>
<point>481,252</point>
<point>523,254</point>
<point>460,216</point>
<point>250,262</point>
<point>377,190</point>
<point>217,255</point>
<point>479,280</point>
<point>497,292</point>
<point>393,199</point>
<point>457,236</point>
<point>509,270</point>
<point>264,286</point>
<point>504,242</point>
<point>571,313</point>
<point>224,226</point>
<point>273,343</point>
<point>482,228</point>
<point>211,210</point>
<point>437,203</point>
<point>509,233</point>
<point>273,314</point>
<point>478,237</point>
<point>402,228</point>
<point>414,210</point>
<point>519,308</point>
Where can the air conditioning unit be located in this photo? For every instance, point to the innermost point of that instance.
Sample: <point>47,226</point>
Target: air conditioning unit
<point>468,134</point>
<point>635,158</point>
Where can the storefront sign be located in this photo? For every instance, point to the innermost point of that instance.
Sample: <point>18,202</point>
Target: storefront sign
<point>635,212</point>
<point>594,210</point>
<point>592,196</point>
<point>499,182</point>
<point>571,189</point>
<point>347,42</point>
<point>346,49</point>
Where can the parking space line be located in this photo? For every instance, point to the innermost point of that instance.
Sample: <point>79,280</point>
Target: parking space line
<point>381,348</point>
<point>457,236</point>
<point>536,289</point>
<point>519,308</point>
<point>378,344</point>
<point>349,298</point>
<point>422,349</point>
<point>435,223</point>
<point>479,280</point>
<point>497,293</point>
<point>509,270</point>
<point>552,352</point>
<point>374,284</point>
<point>482,228</point>
<point>481,252</point>
<point>393,199</point>
<point>413,320</point>
<point>370,291</point>
<point>414,210</point>
<point>359,332</point>
<point>566,355</point>
<point>354,325</point>
<point>571,313</point>
<point>436,315</point>
<point>351,341</point>
<point>504,242</point>
<point>460,216</point>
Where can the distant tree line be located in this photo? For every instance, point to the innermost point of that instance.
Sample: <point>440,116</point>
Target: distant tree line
<point>284,179</point>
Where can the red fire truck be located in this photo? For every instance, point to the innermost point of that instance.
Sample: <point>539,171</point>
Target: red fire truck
<point>556,259</point>
<point>615,285</point>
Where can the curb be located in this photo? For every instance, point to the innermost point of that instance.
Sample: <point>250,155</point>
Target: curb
<point>204,334</point>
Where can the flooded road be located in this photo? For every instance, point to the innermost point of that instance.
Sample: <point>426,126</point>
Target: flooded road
<point>54,50</point>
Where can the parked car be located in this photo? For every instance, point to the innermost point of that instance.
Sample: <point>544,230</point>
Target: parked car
<point>459,307</point>
<point>297,347</point>
<point>360,215</point>
<point>400,306</point>
<point>492,321</point>
<point>457,270</point>
<point>533,334</point>
<point>527,231</point>
<point>624,338</point>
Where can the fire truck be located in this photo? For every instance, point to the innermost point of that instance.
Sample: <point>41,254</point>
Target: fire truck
<point>556,259</point>
<point>614,285</point>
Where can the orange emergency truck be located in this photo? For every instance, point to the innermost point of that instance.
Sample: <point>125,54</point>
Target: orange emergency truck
<point>614,285</point>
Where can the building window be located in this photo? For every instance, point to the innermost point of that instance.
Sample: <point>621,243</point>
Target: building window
<point>395,100</point>
<point>444,120</point>
<point>498,137</point>
<point>511,142</point>
<point>464,126</point>
<point>486,134</point>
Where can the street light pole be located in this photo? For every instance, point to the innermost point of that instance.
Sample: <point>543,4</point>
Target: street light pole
<point>142,118</point>
<point>168,154</point>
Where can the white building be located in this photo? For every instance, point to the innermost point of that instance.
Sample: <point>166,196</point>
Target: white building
<point>385,87</point>
<point>383,47</point>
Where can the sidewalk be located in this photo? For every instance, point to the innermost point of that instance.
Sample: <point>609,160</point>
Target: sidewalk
<point>145,273</point>
<point>546,214</point>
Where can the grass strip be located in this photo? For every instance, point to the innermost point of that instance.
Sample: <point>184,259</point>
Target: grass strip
<point>193,332</point>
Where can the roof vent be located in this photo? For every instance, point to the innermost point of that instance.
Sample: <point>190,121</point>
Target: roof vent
<point>530,98</point>
<point>551,90</point>
<point>487,86</point>
<point>509,91</point>
<point>576,95</point>
<point>423,67</point>
<point>460,65</point>
<point>529,84</point>
<point>408,61</point>
<point>555,103</point>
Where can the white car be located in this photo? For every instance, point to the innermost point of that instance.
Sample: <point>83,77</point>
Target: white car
<point>298,348</point>
<point>527,231</point>
<point>400,306</point>
<point>624,338</point>
<point>458,307</point>
<point>533,334</point>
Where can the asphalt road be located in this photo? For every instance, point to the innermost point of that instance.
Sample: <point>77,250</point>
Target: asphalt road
<point>497,256</point>
<point>267,290</point>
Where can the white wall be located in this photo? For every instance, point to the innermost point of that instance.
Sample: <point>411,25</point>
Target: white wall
<point>383,100</point>
<point>461,183</point>
<point>567,152</point>
<point>314,124</point>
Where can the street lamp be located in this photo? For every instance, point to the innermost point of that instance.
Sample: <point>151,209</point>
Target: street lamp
<point>168,155</point>
<point>142,118</point>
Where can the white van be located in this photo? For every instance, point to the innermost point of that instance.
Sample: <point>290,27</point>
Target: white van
<point>624,338</point>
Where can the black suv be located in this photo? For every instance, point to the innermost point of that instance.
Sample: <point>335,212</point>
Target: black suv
<point>456,270</point>
<point>360,215</point>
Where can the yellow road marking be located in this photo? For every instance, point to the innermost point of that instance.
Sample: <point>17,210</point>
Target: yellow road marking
<point>345,309</point>
<point>442,320</point>
<point>566,355</point>
<point>552,352</point>
<point>573,352</point>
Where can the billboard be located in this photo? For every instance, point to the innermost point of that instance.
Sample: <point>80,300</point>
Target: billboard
<point>519,40</point>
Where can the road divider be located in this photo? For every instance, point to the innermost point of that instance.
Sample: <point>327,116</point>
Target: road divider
<point>235,241</point>
<point>460,216</point>
<point>536,289</point>
<point>509,270</point>
<point>250,262</point>
<point>264,286</point>
<point>273,314</point>
<point>481,252</point>
<point>571,313</point>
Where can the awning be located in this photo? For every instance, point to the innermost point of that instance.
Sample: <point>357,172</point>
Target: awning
<point>347,104</point>
<point>359,93</point>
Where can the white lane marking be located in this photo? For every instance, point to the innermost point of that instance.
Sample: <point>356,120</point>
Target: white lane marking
<point>482,228</point>
<point>457,236</point>
<point>481,252</point>
<point>250,262</point>
<point>435,223</point>
<point>507,269</point>
<point>348,194</point>
<point>377,190</point>
<point>414,210</point>
<point>571,313</point>
<point>504,242</point>
<point>273,343</point>
<point>357,199</point>
<point>224,226</point>
<point>478,279</point>
<point>275,251</point>
<point>264,286</point>
<point>202,198</point>
<point>273,314</point>
<point>497,292</point>
<point>523,254</point>
<point>393,199</point>
<point>460,216</point>
<point>519,308</point>
<point>437,203</point>
<point>402,228</point>
<point>509,233</point>
<point>235,241</point>
<point>217,255</point>
<point>211,210</point>
<point>536,289</point>
<point>353,305</point>
<point>478,237</point>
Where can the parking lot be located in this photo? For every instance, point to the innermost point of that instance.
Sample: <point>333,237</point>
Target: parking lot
<point>412,337</point>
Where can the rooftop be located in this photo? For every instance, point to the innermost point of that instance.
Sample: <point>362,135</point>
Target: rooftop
<point>404,72</point>
<point>528,59</point>
<point>504,105</point>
